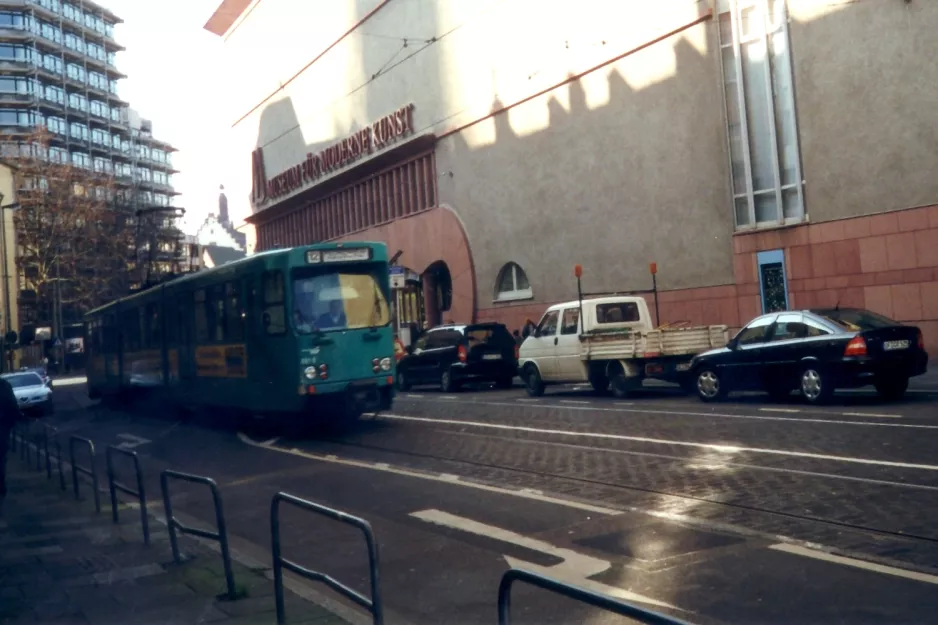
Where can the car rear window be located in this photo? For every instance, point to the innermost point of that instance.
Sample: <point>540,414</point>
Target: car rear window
<point>858,320</point>
<point>495,334</point>
<point>619,312</point>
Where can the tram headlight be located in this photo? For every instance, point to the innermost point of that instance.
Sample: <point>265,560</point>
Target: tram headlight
<point>310,373</point>
<point>386,364</point>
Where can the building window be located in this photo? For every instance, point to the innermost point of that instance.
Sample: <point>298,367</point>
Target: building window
<point>56,125</point>
<point>773,284</point>
<point>16,53</point>
<point>53,64</point>
<point>760,112</point>
<point>512,284</point>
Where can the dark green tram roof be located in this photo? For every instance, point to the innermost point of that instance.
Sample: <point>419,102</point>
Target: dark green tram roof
<point>295,256</point>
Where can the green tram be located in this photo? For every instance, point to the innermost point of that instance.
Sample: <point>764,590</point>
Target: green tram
<point>302,332</point>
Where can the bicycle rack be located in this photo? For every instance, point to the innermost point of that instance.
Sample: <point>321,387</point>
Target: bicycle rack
<point>594,599</point>
<point>174,525</point>
<point>114,486</point>
<point>373,605</point>
<point>92,473</point>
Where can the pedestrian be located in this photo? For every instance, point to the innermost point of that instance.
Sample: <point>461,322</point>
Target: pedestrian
<point>9,415</point>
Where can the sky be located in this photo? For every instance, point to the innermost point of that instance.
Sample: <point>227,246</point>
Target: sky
<point>175,80</point>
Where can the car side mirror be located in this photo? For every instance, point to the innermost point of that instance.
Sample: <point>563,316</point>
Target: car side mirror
<point>732,344</point>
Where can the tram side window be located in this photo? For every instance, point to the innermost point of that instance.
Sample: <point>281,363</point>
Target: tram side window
<point>235,325</point>
<point>215,311</point>
<point>109,335</point>
<point>155,335</point>
<point>131,330</point>
<point>201,317</point>
<point>274,308</point>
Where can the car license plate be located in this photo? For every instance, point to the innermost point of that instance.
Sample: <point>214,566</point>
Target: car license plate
<point>893,345</point>
<point>492,357</point>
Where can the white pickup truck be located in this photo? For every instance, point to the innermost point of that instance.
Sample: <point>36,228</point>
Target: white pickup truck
<point>614,343</point>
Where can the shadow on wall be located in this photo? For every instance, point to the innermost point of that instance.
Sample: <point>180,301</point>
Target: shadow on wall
<point>639,177</point>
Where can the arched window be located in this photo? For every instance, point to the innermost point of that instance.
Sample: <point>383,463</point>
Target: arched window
<point>512,284</point>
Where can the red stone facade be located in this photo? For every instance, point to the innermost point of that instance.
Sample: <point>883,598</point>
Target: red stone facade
<point>887,263</point>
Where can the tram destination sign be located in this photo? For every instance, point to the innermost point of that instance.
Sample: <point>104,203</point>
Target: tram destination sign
<point>368,140</point>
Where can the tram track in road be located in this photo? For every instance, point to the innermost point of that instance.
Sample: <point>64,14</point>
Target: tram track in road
<point>827,522</point>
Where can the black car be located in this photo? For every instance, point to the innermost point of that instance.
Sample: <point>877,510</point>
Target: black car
<point>816,352</point>
<point>451,355</point>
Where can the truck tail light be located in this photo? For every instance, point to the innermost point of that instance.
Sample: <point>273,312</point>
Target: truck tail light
<point>856,347</point>
<point>463,355</point>
<point>921,340</point>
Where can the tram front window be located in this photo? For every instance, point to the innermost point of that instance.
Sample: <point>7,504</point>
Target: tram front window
<point>338,301</point>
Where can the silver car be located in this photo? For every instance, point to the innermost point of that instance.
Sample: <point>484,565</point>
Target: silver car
<point>31,392</point>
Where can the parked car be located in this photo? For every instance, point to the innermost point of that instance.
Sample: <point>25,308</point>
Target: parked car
<point>452,355</point>
<point>41,372</point>
<point>816,352</point>
<point>615,344</point>
<point>31,392</point>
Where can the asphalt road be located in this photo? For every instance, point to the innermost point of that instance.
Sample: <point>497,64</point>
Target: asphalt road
<point>745,511</point>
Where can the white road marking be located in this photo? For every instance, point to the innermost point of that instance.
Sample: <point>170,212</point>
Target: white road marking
<point>685,413</point>
<point>623,403</point>
<point>413,396</point>
<point>131,441</point>
<point>527,399</point>
<point>859,564</point>
<point>874,415</point>
<point>270,441</point>
<point>576,567</point>
<point>448,397</point>
<point>448,477</point>
<point>574,401</point>
<point>779,409</point>
<point>664,441</point>
<point>434,478</point>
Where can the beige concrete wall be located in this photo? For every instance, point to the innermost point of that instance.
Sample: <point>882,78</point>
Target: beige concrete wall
<point>866,79</point>
<point>625,166</point>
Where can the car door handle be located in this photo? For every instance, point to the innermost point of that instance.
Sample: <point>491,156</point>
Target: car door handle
<point>555,340</point>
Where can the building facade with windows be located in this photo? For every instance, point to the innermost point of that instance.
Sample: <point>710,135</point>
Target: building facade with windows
<point>765,154</point>
<point>58,70</point>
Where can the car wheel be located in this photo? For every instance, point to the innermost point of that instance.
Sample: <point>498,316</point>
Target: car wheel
<point>621,387</point>
<point>403,381</point>
<point>447,384</point>
<point>815,386</point>
<point>533,382</point>
<point>710,386</point>
<point>892,388</point>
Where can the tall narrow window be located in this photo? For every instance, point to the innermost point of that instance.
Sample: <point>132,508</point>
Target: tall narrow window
<point>773,284</point>
<point>760,112</point>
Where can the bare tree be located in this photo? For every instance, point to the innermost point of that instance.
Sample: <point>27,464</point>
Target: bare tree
<point>75,241</point>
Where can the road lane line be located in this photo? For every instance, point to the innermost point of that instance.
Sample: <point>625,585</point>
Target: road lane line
<point>526,399</point>
<point>685,413</point>
<point>574,401</point>
<point>779,409</point>
<point>663,441</point>
<point>448,397</point>
<point>859,564</point>
<point>433,478</point>
<point>874,415</point>
<point>623,403</point>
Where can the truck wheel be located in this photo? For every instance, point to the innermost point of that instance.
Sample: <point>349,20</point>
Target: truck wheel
<point>533,382</point>
<point>600,383</point>
<point>710,386</point>
<point>621,386</point>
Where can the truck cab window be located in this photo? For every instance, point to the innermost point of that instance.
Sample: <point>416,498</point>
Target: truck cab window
<point>548,324</point>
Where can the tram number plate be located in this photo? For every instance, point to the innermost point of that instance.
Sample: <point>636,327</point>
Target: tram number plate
<point>492,357</point>
<point>894,345</point>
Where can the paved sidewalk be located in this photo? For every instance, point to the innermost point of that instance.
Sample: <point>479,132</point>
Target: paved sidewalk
<point>61,563</point>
